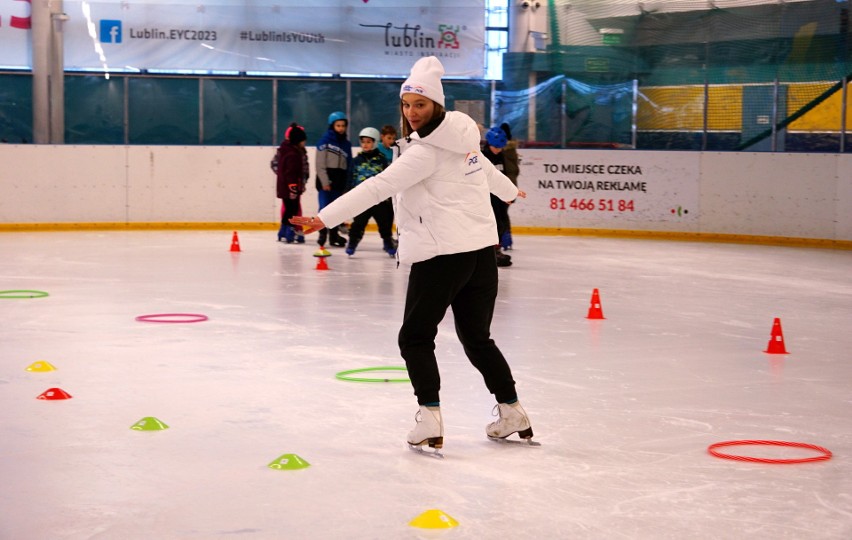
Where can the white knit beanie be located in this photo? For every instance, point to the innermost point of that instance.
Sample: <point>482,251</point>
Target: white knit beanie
<point>425,80</point>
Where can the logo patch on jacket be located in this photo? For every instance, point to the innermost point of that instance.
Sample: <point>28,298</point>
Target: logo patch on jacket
<point>472,163</point>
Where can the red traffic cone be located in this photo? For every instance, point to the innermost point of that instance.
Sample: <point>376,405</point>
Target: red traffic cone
<point>776,340</point>
<point>595,311</point>
<point>235,243</point>
<point>54,393</point>
<point>321,255</point>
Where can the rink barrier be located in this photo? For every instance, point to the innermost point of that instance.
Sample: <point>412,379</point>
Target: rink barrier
<point>675,236</point>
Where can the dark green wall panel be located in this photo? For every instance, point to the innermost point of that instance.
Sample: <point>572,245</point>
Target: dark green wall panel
<point>309,103</point>
<point>163,111</point>
<point>238,112</point>
<point>94,110</point>
<point>16,109</point>
<point>374,104</point>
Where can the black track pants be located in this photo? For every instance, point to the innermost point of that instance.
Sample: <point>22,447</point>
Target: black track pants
<point>467,282</point>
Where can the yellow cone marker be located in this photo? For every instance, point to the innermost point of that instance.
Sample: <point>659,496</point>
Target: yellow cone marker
<point>40,366</point>
<point>288,462</point>
<point>149,423</point>
<point>433,519</point>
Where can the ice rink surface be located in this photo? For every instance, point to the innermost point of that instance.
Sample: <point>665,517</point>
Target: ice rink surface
<point>625,408</point>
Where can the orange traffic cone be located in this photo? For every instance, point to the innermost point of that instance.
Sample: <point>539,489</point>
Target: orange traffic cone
<point>235,243</point>
<point>776,340</point>
<point>595,311</point>
<point>321,254</point>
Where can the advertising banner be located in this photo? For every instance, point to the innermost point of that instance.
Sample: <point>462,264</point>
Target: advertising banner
<point>609,189</point>
<point>369,37</point>
<point>15,31</point>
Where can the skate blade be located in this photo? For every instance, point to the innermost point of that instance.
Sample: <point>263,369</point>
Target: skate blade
<point>419,450</point>
<point>523,442</point>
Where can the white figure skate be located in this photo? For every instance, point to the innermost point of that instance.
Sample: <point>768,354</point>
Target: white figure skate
<point>429,430</point>
<point>513,419</point>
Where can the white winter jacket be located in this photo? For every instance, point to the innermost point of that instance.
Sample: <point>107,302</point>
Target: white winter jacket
<point>441,185</point>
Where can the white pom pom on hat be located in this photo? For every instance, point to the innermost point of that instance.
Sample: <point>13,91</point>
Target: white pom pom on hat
<point>425,80</point>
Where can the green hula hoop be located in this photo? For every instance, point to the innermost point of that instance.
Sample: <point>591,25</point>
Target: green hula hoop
<point>345,375</point>
<point>22,294</point>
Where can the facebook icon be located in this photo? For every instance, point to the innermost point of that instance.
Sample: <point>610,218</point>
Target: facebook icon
<point>110,31</point>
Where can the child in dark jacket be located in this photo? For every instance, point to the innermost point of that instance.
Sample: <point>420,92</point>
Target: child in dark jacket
<point>370,162</point>
<point>334,165</point>
<point>292,174</point>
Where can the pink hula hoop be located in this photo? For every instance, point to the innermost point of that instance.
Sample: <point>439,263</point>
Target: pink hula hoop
<point>173,318</point>
<point>825,453</point>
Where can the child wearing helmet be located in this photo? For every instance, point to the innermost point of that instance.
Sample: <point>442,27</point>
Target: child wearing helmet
<point>367,164</point>
<point>495,141</point>
<point>333,164</point>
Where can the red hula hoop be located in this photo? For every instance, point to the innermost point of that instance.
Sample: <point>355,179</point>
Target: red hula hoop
<point>172,318</point>
<point>826,454</point>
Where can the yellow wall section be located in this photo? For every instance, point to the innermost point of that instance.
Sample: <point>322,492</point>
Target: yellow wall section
<point>681,108</point>
<point>825,116</point>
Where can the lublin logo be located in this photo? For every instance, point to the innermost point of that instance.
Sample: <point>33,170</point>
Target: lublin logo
<point>413,37</point>
<point>449,36</point>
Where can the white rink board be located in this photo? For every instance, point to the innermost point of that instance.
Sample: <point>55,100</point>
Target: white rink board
<point>608,189</point>
<point>844,199</point>
<point>786,195</point>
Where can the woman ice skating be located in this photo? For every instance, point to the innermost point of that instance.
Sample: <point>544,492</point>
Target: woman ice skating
<point>442,185</point>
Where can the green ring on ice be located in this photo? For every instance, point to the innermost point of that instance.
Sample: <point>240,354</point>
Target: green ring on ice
<point>345,375</point>
<point>23,294</point>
